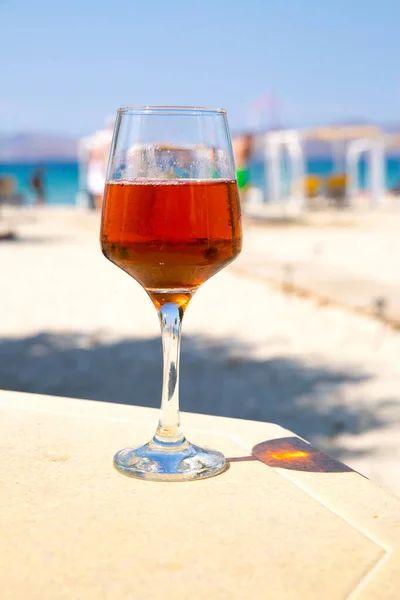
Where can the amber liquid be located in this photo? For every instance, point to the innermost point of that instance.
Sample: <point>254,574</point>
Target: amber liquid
<point>171,236</point>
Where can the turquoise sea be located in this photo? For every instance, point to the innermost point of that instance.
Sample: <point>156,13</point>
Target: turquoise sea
<point>61,179</point>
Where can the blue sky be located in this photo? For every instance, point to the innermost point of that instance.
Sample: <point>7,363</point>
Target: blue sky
<point>67,65</point>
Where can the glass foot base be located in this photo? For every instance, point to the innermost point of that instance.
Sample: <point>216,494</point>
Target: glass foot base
<point>157,462</point>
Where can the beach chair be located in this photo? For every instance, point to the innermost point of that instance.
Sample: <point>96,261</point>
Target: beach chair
<point>336,189</point>
<point>8,192</point>
<point>313,186</point>
<point>9,197</point>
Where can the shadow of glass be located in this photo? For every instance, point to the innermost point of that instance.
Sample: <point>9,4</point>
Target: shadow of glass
<point>218,378</point>
<point>295,454</point>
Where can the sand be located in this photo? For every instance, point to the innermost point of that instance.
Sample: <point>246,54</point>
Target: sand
<point>72,324</point>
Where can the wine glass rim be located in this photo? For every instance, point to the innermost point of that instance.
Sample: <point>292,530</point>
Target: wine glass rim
<point>149,109</point>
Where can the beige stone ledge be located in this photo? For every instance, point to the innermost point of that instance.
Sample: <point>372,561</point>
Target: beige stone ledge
<point>284,522</point>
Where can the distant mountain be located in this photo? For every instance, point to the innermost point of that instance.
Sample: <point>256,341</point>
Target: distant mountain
<point>36,147</point>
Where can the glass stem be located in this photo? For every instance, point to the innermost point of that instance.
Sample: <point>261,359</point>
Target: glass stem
<point>168,431</point>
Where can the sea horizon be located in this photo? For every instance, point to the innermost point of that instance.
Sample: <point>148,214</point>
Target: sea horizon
<point>62,176</point>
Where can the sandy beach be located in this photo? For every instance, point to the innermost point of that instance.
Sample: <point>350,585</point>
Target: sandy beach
<point>72,324</point>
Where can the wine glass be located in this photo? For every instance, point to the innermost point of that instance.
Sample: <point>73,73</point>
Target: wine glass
<point>171,219</point>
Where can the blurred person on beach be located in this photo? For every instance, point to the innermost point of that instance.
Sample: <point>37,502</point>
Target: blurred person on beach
<point>96,177</point>
<point>97,161</point>
<point>214,160</point>
<point>37,185</point>
<point>243,150</point>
